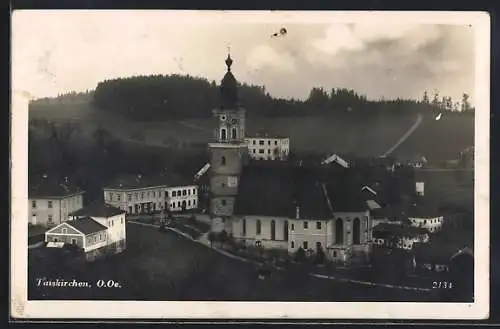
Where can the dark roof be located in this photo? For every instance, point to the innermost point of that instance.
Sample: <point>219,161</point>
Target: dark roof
<point>98,209</point>
<point>277,188</point>
<point>50,187</point>
<point>229,88</point>
<point>399,230</point>
<point>143,181</point>
<point>86,225</point>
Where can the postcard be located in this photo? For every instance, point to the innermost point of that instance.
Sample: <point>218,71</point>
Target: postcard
<point>250,165</point>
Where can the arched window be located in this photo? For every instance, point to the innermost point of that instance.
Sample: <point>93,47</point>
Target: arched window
<point>223,160</point>
<point>273,230</point>
<point>223,134</point>
<point>244,227</point>
<point>258,227</point>
<point>285,230</point>
<point>356,231</point>
<point>233,133</point>
<point>339,231</point>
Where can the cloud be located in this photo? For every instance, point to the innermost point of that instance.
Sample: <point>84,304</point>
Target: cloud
<point>267,57</point>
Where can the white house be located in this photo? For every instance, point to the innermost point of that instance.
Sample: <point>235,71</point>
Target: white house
<point>141,194</point>
<point>398,236</point>
<point>50,201</point>
<point>268,148</point>
<point>97,229</point>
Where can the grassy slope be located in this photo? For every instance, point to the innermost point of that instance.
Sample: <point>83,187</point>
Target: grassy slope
<point>438,141</point>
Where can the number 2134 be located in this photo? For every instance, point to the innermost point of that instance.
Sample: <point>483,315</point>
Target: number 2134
<point>442,285</point>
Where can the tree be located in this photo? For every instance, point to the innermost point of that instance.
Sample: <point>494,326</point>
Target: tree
<point>466,107</point>
<point>425,98</point>
<point>320,256</point>
<point>435,100</point>
<point>300,255</point>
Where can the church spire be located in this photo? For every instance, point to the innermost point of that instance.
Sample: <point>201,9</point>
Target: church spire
<point>229,87</point>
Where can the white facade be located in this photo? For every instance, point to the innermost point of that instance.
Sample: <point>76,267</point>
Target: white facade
<point>268,148</point>
<point>53,211</point>
<point>116,227</point>
<point>347,233</point>
<point>433,224</point>
<point>153,198</point>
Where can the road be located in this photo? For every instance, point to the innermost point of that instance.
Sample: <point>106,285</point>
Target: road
<point>406,135</point>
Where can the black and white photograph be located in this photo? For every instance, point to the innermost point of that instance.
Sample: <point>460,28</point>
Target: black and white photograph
<point>310,164</point>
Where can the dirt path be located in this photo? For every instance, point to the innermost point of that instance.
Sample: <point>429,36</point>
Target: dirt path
<point>405,136</point>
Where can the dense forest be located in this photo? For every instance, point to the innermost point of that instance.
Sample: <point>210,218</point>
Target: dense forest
<point>182,96</point>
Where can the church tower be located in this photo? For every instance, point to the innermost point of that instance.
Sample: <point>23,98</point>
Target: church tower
<point>227,152</point>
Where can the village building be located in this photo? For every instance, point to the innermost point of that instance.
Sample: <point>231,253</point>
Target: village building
<point>50,201</point>
<point>436,256</point>
<point>391,235</point>
<point>144,194</point>
<point>285,206</point>
<point>97,229</point>
<point>268,148</point>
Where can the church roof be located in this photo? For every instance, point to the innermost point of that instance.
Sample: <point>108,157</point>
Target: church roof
<point>229,88</point>
<point>50,187</point>
<point>278,188</point>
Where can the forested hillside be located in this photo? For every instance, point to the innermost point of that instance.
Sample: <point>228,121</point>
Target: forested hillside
<point>180,97</point>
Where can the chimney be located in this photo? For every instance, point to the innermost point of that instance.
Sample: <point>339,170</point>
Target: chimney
<point>297,212</point>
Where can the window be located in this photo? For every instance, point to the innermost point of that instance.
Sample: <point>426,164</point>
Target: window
<point>425,221</point>
<point>194,202</point>
<point>304,245</point>
<point>73,241</point>
<point>178,192</point>
<point>142,195</point>
<point>189,192</point>
<point>223,160</point>
<point>292,244</point>
<point>273,230</point>
<point>253,142</point>
<point>339,231</point>
<point>268,151</point>
<point>189,202</point>
<point>122,220</point>
<point>178,204</point>
<point>335,254</point>
<point>194,191</point>
<point>292,228</point>
<point>118,197</point>
<point>261,151</point>
<point>223,134</point>
<point>33,204</point>
<point>261,142</point>
<point>268,142</point>
<point>223,202</point>
<point>50,204</point>
<point>244,227</point>
<point>233,133</point>
<point>285,230</point>
<point>356,234</point>
<point>275,142</point>
<point>49,219</point>
<point>318,225</point>
<point>100,236</point>
<point>253,151</point>
<point>174,193</point>
<point>64,230</point>
<point>129,197</point>
<point>258,227</point>
<point>318,245</point>
<point>184,192</point>
<point>306,225</point>
<point>110,196</point>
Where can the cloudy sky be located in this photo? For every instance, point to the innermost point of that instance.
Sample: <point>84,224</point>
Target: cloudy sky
<point>57,52</point>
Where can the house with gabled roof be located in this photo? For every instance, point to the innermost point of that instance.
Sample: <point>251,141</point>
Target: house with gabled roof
<point>97,229</point>
<point>50,200</point>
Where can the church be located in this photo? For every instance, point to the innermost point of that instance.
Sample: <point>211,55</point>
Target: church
<point>286,205</point>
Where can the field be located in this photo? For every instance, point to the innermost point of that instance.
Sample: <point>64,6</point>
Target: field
<point>438,141</point>
<point>165,266</point>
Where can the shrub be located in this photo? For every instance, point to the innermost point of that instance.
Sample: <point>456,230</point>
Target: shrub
<point>300,255</point>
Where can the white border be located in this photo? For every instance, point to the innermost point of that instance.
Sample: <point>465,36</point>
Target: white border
<point>21,308</point>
